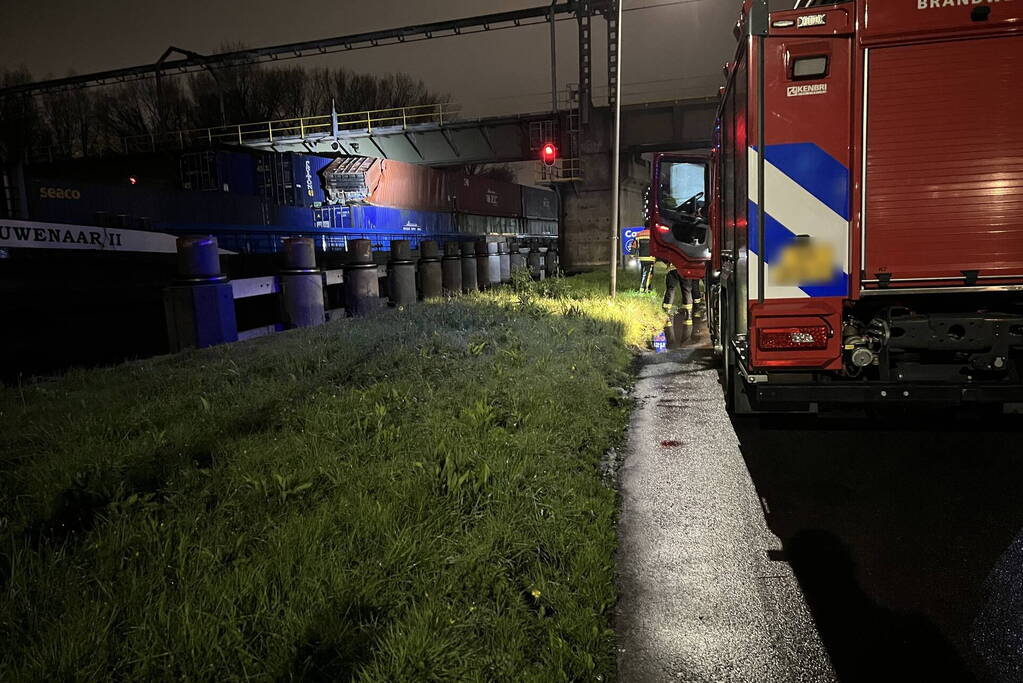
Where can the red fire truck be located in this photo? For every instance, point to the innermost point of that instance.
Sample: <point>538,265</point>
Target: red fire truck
<point>867,205</point>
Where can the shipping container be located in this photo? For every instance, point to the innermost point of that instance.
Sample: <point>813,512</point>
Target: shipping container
<point>291,179</point>
<point>400,221</point>
<point>135,206</point>
<point>540,227</point>
<point>159,170</point>
<point>485,197</point>
<point>471,224</point>
<point>218,171</point>
<point>383,182</point>
<point>539,203</point>
<point>345,180</point>
<point>336,217</point>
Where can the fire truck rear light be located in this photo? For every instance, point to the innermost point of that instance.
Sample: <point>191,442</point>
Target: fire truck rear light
<point>808,338</point>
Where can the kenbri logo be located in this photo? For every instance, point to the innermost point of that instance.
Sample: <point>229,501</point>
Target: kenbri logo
<point>815,89</point>
<point>938,4</point>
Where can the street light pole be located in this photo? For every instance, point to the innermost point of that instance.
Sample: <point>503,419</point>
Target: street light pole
<point>616,150</point>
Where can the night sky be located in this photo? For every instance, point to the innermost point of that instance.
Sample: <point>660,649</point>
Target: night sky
<point>672,51</point>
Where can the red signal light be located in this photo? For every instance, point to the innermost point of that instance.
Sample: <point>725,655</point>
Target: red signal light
<point>133,180</point>
<point>549,154</point>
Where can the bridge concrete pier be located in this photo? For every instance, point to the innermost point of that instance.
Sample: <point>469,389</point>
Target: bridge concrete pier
<point>586,223</point>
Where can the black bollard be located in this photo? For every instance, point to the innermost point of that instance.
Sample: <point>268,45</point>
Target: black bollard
<point>401,274</point>
<point>362,287</point>
<point>502,250</point>
<point>451,269</point>
<point>301,285</point>
<point>551,261</point>
<point>431,278</point>
<point>518,257</point>
<point>469,281</point>
<point>493,264</point>
<point>199,306</point>
<point>482,266</point>
<point>535,262</point>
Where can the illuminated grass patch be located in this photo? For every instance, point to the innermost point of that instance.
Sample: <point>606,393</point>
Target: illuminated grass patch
<point>413,496</point>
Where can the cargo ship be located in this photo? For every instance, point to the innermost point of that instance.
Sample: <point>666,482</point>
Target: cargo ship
<point>251,201</point>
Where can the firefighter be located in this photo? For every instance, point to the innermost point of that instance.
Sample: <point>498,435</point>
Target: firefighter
<point>646,261</point>
<point>674,282</point>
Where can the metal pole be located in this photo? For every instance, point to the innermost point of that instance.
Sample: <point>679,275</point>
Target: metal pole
<point>615,154</point>
<point>554,63</point>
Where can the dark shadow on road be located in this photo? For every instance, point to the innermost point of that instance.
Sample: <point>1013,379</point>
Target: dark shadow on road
<point>892,528</point>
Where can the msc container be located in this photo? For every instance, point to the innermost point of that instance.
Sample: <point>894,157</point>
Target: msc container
<point>400,221</point>
<point>383,182</point>
<point>486,197</point>
<point>539,203</point>
<point>218,171</point>
<point>289,179</point>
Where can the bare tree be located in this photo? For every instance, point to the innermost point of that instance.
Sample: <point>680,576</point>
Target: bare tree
<point>137,115</point>
<point>21,127</point>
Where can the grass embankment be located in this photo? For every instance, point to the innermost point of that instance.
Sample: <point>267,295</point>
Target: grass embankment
<point>414,496</point>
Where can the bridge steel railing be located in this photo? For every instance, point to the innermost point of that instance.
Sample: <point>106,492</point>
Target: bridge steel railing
<point>266,132</point>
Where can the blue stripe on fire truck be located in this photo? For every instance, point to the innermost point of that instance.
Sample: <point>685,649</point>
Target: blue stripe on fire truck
<point>807,194</point>
<point>816,171</point>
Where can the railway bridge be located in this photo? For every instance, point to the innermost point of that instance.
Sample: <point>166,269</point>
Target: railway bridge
<point>445,135</point>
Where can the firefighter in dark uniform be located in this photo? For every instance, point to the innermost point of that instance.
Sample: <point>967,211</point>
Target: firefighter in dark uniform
<point>646,261</point>
<point>676,286</point>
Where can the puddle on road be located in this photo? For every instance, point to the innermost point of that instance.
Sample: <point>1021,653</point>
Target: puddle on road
<point>679,333</point>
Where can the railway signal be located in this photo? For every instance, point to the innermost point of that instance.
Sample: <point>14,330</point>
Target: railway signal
<point>549,154</point>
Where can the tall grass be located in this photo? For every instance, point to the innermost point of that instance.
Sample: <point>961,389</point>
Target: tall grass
<point>414,496</point>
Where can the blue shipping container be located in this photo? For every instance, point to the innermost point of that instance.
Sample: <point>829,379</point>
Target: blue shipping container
<point>306,169</point>
<point>289,179</point>
<point>400,221</point>
<point>218,171</point>
<point>237,172</point>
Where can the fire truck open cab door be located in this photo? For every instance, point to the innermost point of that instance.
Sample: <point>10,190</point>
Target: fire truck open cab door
<point>680,197</point>
<point>789,210</point>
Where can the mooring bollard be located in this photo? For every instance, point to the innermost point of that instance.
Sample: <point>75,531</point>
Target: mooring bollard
<point>451,269</point>
<point>199,306</point>
<point>469,281</point>
<point>431,278</point>
<point>535,262</point>
<point>551,261</point>
<point>482,266</point>
<point>401,274</point>
<point>493,264</point>
<point>518,257</point>
<point>502,250</point>
<point>362,288</point>
<point>301,284</point>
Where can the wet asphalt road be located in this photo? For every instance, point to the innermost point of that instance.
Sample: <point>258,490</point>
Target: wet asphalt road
<point>803,548</point>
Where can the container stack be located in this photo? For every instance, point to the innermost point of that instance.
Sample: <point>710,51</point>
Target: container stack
<point>253,201</point>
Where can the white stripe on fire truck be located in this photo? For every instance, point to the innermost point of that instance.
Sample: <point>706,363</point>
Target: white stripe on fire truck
<point>799,212</point>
